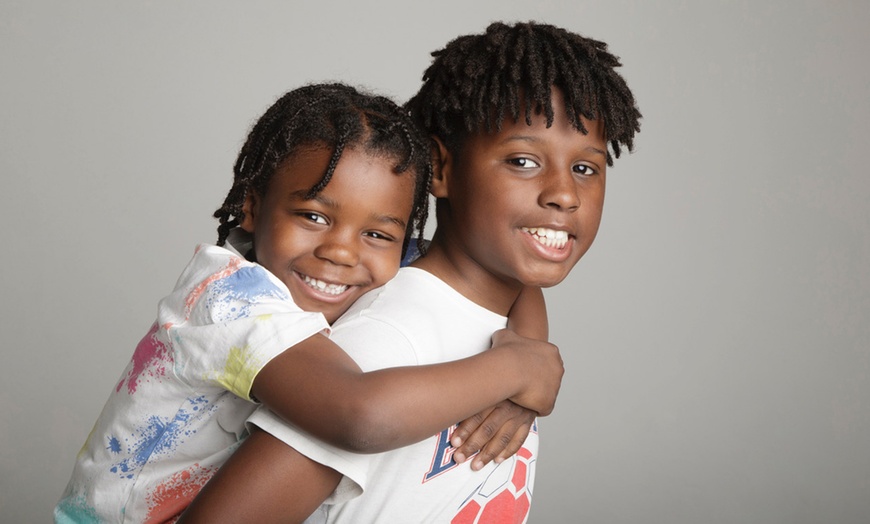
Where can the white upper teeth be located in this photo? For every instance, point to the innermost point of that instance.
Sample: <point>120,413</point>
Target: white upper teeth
<point>330,289</point>
<point>548,237</point>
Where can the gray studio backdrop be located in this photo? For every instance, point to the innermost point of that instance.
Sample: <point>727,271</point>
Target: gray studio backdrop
<point>715,337</point>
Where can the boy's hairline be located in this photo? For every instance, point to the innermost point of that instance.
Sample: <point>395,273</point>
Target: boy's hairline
<point>540,107</point>
<point>455,142</point>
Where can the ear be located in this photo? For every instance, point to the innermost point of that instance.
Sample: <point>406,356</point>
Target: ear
<point>250,209</point>
<point>442,169</point>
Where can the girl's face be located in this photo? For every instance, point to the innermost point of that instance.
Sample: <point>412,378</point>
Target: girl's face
<point>346,240</point>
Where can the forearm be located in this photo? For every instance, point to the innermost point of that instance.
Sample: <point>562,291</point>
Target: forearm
<point>319,388</point>
<point>528,316</point>
<point>406,405</point>
<point>263,481</point>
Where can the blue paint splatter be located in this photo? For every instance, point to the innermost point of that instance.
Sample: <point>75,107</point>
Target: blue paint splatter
<point>114,445</point>
<point>157,437</point>
<point>198,402</point>
<point>230,298</point>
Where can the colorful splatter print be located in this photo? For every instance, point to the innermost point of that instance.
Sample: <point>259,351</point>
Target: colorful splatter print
<point>169,498</point>
<point>179,408</point>
<point>150,361</point>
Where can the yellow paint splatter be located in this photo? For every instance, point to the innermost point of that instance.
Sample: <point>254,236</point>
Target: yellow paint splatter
<point>85,445</point>
<point>239,371</point>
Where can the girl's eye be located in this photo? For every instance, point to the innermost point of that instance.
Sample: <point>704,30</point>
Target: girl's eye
<point>314,217</point>
<point>526,163</point>
<point>379,236</point>
<point>583,169</point>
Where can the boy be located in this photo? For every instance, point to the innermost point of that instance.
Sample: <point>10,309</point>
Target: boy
<point>522,117</point>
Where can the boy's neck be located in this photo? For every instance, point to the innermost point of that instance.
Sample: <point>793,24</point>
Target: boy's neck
<point>467,277</point>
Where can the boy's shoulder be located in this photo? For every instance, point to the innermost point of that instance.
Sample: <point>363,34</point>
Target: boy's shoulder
<point>414,300</point>
<point>414,319</point>
<point>411,290</point>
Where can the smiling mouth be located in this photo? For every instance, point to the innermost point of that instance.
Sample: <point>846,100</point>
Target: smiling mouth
<point>548,237</point>
<point>323,287</point>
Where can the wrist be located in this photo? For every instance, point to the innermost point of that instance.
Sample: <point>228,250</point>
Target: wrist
<point>514,369</point>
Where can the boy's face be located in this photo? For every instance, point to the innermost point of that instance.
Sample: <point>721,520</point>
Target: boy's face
<point>331,249</point>
<point>525,202</point>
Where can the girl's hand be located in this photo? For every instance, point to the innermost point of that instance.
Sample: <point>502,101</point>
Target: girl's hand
<point>540,370</point>
<point>497,433</point>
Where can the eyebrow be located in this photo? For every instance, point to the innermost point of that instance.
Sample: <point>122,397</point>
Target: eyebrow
<point>329,202</point>
<point>530,138</point>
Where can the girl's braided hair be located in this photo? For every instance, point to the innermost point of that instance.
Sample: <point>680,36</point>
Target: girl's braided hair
<point>339,117</point>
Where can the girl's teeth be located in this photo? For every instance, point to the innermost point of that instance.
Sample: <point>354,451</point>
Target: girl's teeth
<point>330,289</point>
<point>548,237</point>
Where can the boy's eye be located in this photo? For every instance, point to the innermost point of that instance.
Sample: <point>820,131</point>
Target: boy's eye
<point>582,169</point>
<point>523,162</point>
<point>314,217</point>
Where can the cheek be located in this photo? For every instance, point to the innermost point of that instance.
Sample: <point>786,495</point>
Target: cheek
<point>487,197</point>
<point>594,202</point>
<point>384,268</point>
<point>590,223</point>
<point>285,246</point>
<point>591,218</point>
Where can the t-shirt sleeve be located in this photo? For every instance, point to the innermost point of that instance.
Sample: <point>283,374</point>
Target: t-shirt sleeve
<point>235,322</point>
<point>352,466</point>
<point>374,345</point>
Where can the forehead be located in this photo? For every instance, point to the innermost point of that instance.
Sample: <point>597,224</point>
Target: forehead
<point>313,162</point>
<point>537,115</point>
<point>559,134</point>
<point>310,162</point>
<point>362,187</point>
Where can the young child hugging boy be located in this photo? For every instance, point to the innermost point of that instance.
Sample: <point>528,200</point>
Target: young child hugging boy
<point>526,118</point>
<point>328,188</point>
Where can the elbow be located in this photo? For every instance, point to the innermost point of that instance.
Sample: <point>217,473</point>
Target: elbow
<point>366,428</point>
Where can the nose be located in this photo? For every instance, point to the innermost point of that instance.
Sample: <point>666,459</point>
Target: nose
<point>339,248</point>
<point>559,190</point>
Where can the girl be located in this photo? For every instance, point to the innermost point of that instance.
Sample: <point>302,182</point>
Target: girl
<point>327,189</point>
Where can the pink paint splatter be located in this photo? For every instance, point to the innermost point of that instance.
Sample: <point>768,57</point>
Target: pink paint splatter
<point>194,295</point>
<point>169,499</point>
<point>150,357</point>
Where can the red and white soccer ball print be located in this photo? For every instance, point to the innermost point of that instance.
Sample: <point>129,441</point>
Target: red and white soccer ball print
<point>505,496</point>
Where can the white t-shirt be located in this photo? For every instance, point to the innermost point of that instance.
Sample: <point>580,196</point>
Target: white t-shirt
<point>179,409</point>
<point>418,319</point>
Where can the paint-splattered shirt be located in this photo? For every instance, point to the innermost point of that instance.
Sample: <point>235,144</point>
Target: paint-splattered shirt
<point>179,409</point>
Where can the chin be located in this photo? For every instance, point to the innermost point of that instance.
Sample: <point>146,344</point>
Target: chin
<point>548,283</point>
<point>544,281</point>
<point>548,278</point>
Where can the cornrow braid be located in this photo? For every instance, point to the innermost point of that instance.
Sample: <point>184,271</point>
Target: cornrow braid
<point>335,116</point>
<point>478,80</point>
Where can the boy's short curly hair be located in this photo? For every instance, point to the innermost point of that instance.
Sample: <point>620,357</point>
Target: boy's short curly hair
<point>478,80</point>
